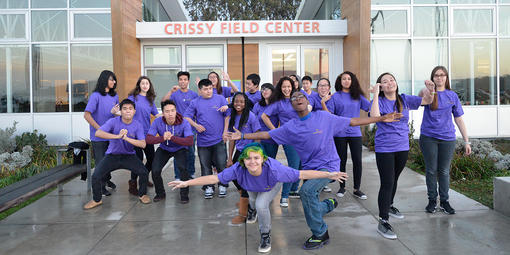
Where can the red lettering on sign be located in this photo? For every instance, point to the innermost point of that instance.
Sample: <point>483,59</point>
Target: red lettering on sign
<point>200,28</point>
<point>177,28</point>
<point>167,30</point>
<point>287,27</point>
<point>306,27</point>
<point>223,27</point>
<point>237,28</point>
<point>278,27</point>
<point>254,27</point>
<point>245,30</point>
<point>315,27</point>
<point>297,26</point>
<point>209,27</point>
<point>267,27</point>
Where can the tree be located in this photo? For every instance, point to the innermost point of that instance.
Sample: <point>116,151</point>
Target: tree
<point>212,10</point>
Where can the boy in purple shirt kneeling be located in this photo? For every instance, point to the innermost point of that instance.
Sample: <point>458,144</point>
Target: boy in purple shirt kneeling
<point>124,133</point>
<point>262,177</point>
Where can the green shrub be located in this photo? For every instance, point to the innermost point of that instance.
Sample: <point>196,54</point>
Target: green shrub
<point>7,143</point>
<point>370,137</point>
<point>471,167</point>
<point>37,141</point>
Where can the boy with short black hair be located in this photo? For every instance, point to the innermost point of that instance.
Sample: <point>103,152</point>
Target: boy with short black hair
<point>252,88</point>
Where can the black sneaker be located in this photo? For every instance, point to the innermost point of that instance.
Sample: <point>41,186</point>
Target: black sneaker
<point>265,242</point>
<point>384,228</point>
<point>294,194</point>
<point>158,198</point>
<point>446,208</point>
<point>340,192</point>
<point>315,242</point>
<point>395,213</point>
<point>111,185</point>
<point>105,192</point>
<point>252,215</point>
<point>431,207</point>
<point>359,194</point>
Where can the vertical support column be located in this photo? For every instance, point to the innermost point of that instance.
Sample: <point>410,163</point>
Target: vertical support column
<point>125,45</point>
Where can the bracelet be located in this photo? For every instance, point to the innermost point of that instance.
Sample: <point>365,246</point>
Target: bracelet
<point>467,143</point>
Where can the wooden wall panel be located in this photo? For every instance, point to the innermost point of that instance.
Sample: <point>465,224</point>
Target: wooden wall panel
<point>234,60</point>
<point>125,45</point>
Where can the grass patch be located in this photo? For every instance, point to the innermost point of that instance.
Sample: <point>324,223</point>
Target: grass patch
<point>479,190</point>
<point>14,209</point>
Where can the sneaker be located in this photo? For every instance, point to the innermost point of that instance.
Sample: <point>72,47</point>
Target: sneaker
<point>326,189</point>
<point>145,199</point>
<point>91,204</point>
<point>315,242</point>
<point>265,242</point>
<point>105,192</point>
<point>284,202</point>
<point>252,215</point>
<point>193,176</point>
<point>384,228</point>
<point>158,198</point>
<point>341,192</point>
<point>446,208</point>
<point>222,191</point>
<point>431,207</point>
<point>395,213</point>
<point>209,192</point>
<point>294,194</point>
<point>111,185</point>
<point>359,194</point>
<point>333,201</point>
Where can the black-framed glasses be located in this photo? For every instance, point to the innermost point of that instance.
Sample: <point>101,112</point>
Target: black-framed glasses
<point>294,98</point>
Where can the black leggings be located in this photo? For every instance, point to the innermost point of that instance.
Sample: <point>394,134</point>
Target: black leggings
<point>149,154</point>
<point>390,165</point>
<point>355,146</point>
<point>234,160</point>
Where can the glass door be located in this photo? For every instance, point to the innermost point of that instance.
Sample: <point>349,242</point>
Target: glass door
<point>284,61</point>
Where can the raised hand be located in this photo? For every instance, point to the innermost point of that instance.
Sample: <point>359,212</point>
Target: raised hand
<point>430,86</point>
<point>115,109</point>
<point>375,89</point>
<point>197,80</point>
<point>175,88</point>
<point>225,75</point>
<point>326,98</point>
<point>392,117</point>
<point>177,184</point>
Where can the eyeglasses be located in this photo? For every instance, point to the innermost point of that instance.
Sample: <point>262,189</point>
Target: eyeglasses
<point>439,75</point>
<point>111,79</point>
<point>294,98</point>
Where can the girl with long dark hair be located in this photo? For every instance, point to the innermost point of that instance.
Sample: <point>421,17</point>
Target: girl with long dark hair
<point>225,91</point>
<point>270,147</point>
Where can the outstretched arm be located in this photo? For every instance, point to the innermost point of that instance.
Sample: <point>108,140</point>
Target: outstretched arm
<point>390,117</point>
<point>312,174</point>
<point>204,180</point>
<point>237,135</point>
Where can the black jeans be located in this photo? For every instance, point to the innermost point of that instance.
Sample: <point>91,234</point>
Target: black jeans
<point>99,148</point>
<point>355,144</point>
<point>149,154</point>
<point>234,160</point>
<point>120,161</point>
<point>214,154</point>
<point>160,159</point>
<point>390,165</point>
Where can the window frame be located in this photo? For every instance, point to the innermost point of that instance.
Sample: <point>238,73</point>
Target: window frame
<point>27,25</point>
<point>407,10</point>
<point>73,12</point>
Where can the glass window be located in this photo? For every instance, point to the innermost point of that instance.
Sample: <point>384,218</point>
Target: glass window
<point>389,22</point>
<point>284,63</point>
<point>153,11</point>
<point>49,3</point>
<point>316,63</point>
<point>90,3</point>
<point>92,25</point>
<point>205,55</point>
<point>14,79</point>
<point>427,54</point>
<point>392,56</point>
<point>49,26</point>
<point>430,21</point>
<point>472,1</point>
<point>201,73</point>
<point>87,62</point>
<point>430,1</point>
<point>377,2</point>
<point>472,21</point>
<point>163,80</point>
<point>504,20</point>
<point>504,71</point>
<point>473,70</point>
<point>12,26</point>
<point>329,10</point>
<point>162,56</point>
<point>13,4</point>
<point>50,78</point>
<point>504,1</point>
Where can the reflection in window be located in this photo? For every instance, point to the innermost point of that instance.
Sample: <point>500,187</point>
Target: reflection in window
<point>504,20</point>
<point>316,63</point>
<point>430,1</point>
<point>163,80</point>
<point>48,3</point>
<point>329,10</point>
<point>284,63</point>
<point>162,56</point>
<point>472,21</point>
<point>89,3</point>
<point>392,56</point>
<point>153,11</point>
<point>472,1</point>
<point>49,26</point>
<point>92,25</point>
<point>14,79</point>
<point>13,4</point>
<point>473,70</point>
<point>390,2</point>
<point>87,62</point>
<point>389,22</point>
<point>504,71</point>
<point>427,55</point>
<point>205,55</point>
<point>50,78</point>
<point>430,21</point>
<point>12,26</point>
<point>202,74</point>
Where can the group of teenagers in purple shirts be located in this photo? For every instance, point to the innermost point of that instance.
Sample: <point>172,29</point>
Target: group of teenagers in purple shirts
<point>314,128</point>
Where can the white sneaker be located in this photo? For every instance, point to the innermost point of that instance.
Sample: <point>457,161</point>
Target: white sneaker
<point>284,202</point>
<point>326,189</point>
<point>177,179</point>
<point>209,192</point>
<point>222,192</point>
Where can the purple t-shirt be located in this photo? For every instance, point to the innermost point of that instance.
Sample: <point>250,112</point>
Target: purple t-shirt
<point>283,110</point>
<point>394,136</point>
<point>144,109</point>
<point>309,95</point>
<point>258,110</point>
<point>254,97</point>
<point>206,113</point>
<point>159,127</point>
<point>119,146</point>
<point>272,172</point>
<point>252,125</point>
<point>225,91</point>
<point>312,137</point>
<point>345,106</point>
<point>315,102</point>
<point>182,100</point>
<point>439,123</point>
<point>100,108</point>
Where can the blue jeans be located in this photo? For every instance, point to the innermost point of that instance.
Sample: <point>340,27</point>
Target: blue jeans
<point>294,162</point>
<point>313,208</point>
<point>438,155</point>
<point>271,149</point>
<point>214,154</point>
<point>190,160</point>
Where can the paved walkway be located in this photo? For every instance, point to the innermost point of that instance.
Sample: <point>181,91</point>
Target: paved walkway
<point>56,224</point>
